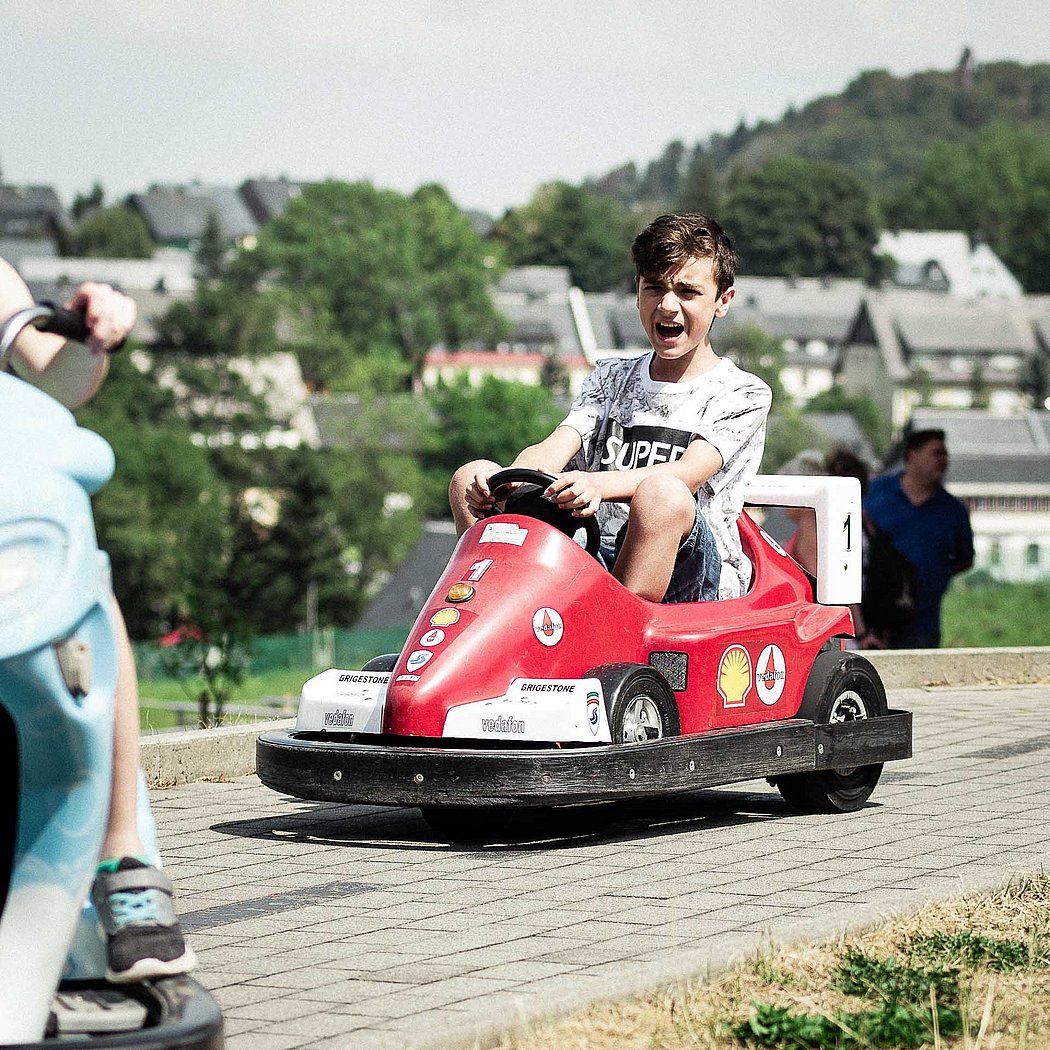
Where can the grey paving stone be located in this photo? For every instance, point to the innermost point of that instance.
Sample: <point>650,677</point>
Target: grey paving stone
<point>443,943</point>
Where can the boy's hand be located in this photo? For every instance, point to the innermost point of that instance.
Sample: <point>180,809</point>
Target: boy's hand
<point>478,495</point>
<point>576,490</point>
<point>109,314</point>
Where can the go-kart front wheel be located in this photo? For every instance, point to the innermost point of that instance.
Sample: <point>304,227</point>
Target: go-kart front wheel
<point>842,687</point>
<point>638,702</point>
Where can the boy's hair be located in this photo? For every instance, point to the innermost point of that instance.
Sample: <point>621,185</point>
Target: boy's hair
<point>918,438</point>
<point>670,241</point>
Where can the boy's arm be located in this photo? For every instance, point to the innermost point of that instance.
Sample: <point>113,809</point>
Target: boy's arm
<point>67,371</point>
<point>583,490</point>
<point>553,452</point>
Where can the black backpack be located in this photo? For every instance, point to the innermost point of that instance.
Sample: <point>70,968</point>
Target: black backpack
<point>891,585</point>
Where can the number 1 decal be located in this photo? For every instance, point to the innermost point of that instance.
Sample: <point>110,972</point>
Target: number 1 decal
<point>846,530</point>
<point>477,570</point>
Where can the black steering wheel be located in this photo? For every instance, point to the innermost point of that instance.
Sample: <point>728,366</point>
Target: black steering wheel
<point>528,499</point>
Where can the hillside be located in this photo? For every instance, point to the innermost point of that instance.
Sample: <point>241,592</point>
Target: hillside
<point>881,127</point>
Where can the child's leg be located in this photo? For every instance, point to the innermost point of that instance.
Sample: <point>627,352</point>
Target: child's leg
<point>132,898</point>
<point>122,837</point>
<point>463,514</point>
<point>663,512</point>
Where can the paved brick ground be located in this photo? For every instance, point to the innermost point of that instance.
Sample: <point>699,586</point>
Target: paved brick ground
<point>330,926</point>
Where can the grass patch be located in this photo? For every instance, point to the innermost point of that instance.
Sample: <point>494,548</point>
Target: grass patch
<point>157,692</point>
<point>969,973</point>
<point>979,612</point>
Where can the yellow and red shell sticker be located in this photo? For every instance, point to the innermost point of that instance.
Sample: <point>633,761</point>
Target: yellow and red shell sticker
<point>444,618</point>
<point>734,676</point>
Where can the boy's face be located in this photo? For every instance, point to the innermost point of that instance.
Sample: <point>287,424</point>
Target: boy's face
<point>677,311</point>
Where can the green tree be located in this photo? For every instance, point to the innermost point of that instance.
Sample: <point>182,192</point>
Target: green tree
<point>797,217</point>
<point>494,420</point>
<point>84,203</point>
<point>996,186</point>
<point>787,434</point>
<point>458,271</point>
<point>874,424</point>
<point>363,275</point>
<point>164,516</point>
<point>212,247</point>
<point>118,232</point>
<point>699,188</point>
<point>566,225</point>
<point>758,353</point>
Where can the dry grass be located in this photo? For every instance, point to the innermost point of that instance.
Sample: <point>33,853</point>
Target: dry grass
<point>1002,1009</point>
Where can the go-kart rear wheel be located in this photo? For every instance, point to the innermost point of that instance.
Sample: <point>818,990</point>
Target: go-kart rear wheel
<point>638,702</point>
<point>842,687</point>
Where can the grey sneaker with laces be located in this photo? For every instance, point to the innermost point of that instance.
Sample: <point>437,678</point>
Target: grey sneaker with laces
<point>143,938</point>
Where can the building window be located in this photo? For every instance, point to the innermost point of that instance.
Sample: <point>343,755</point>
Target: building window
<point>995,553</point>
<point>1031,554</point>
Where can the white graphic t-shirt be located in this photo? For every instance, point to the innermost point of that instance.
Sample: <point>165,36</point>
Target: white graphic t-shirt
<point>629,420</point>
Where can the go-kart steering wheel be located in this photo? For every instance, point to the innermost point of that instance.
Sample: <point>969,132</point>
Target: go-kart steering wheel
<point>530,501</point>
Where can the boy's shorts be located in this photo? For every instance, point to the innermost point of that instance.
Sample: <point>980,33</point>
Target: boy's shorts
<point>697,566</point>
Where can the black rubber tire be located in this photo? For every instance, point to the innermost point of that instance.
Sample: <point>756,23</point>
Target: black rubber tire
<point>467,823</point>
<point>842,686</point>
<point>382,663</point>
<point>630,686</point>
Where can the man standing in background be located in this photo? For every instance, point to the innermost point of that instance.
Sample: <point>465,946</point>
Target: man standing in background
<point>930,527</point>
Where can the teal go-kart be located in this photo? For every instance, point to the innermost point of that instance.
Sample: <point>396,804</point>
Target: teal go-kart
<point>58,668</point>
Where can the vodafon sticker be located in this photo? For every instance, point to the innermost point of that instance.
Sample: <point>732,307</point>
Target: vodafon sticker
<point>547,625</point>
<point>770,675</point>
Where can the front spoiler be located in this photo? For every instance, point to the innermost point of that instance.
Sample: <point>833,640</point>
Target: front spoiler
<point>339,771</point>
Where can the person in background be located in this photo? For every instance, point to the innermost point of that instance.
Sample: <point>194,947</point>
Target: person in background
<point>927,525</point>
<point>132,898</point>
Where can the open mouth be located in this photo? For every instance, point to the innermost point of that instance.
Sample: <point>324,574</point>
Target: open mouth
<point>669,330</point>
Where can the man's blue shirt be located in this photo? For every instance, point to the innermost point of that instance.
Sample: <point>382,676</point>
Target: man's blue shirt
<point>934,536</point>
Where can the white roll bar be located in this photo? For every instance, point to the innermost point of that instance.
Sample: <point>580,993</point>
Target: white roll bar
<point>837,504</point>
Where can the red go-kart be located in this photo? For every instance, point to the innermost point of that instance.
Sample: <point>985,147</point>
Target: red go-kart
<point>532,677</point>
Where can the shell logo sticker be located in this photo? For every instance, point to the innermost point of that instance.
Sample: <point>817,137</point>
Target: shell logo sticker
<point>548,627</point>
<point>431,638</point>
<point>770,674</point>
<point>444,618</point>
<point>593,715</point>
<point>734,676</point>
<point>417,659</point>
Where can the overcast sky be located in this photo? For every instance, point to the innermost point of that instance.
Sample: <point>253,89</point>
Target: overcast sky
<point>489,97</point>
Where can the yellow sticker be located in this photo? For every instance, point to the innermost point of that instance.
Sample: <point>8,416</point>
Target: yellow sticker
<point>444,618</point>
<point>734,676</point>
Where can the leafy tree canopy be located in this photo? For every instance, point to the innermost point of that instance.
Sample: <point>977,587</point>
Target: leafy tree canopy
<point>793,216</point>
<point>361,274</point>
<point>118,232</point>
<point>996,186</point>
<point>572,226</point>
<point>494,420</point>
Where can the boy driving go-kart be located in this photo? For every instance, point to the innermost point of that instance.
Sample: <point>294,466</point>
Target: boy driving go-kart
<point>533,676</point>
<point>660,447</point>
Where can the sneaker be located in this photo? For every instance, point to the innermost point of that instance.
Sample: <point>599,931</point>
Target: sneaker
<point>143,939</point>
